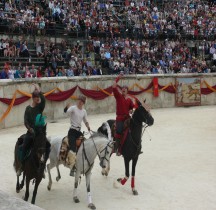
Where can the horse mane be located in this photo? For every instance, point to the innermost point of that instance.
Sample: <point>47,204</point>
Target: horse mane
<point>96,134</point>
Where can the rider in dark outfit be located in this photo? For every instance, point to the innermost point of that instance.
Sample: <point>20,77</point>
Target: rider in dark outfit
<point>31,113</point>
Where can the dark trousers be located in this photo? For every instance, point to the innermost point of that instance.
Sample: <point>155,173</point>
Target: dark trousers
<point>119,129</point>
<point>27,143</point>
<point>73,135</point>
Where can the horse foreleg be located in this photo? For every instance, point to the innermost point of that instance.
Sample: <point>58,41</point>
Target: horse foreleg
<point>27,190</point>
<point>18,185</point>
<point>127,173</point>
<point>134,162</point>
<point>23,180</point>
<point>35,190</point>
<point>89,197</point>
<point>75,197</point>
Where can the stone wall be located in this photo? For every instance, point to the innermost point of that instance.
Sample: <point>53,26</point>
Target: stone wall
<point>54,110</point>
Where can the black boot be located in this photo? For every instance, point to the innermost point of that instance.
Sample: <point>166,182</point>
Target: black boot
<point>73,171</point>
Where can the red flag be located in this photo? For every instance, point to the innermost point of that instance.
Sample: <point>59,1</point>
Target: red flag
<point>155,86</point>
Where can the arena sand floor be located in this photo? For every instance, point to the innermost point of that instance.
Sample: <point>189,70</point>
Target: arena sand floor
<point>177,170</point>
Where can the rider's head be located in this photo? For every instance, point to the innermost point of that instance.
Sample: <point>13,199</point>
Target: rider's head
<point>81,100</point>
<point>124,90</point>
<point>36,97</point>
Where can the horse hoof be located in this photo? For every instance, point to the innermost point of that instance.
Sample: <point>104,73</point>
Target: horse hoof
<point>58,178</point>
<point>92,206</point>
<point>17,190</point>
<point>48,188</point>
<point>135,192</point>
<point>76,200</point>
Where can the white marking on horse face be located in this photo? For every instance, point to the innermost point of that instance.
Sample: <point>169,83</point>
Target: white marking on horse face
<point>42,158</point>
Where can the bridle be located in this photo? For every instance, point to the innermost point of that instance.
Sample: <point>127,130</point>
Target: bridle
<point>102,159</point>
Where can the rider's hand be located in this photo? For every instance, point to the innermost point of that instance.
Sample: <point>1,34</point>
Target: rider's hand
<point>31,130</point>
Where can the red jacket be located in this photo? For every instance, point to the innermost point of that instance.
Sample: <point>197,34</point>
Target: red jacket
<point>123,105</point>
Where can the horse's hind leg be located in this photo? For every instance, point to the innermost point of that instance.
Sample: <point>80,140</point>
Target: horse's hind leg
<point>27,189</point>
<point>49,167</point>
<point>90,204</point>
<point>35,190</point>
<point>58,172</point>
<point>134,162</point>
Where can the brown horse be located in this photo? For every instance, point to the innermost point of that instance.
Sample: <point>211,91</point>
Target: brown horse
<point>34,165</point>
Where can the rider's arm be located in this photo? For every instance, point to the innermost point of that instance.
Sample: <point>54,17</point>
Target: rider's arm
<point>86,121</point>
<point>42,103</point>
<point>68,108</point>
<point>26,120</point>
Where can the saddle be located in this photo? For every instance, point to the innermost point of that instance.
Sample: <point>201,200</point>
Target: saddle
<point>65,147</point>
<point>124,133</point>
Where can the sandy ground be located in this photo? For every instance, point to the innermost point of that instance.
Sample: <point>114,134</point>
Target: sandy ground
<point>177,170</point>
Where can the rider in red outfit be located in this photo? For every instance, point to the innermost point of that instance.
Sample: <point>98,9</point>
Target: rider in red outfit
<point>124,105</point>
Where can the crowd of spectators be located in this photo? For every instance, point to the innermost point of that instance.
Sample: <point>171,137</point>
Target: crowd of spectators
<point>139,37</point>
<point>141,18</point>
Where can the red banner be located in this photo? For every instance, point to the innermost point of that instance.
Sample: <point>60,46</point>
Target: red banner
<point>155,87</point>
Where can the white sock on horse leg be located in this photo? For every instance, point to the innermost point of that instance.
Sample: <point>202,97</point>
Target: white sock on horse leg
<point>75,192</point>
<point>89,197</point>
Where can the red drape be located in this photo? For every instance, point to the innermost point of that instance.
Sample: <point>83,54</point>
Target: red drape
<point>169,89</point>
<point>131,92</point>
<point>16,102</point>
<point>95,94</point>
<point>61,96</point>
<point>206,91</point>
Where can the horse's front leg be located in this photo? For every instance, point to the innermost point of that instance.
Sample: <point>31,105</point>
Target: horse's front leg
<point>18,185</point>
<point>35,190</point>
<point>23,180</point>
<point>134,162</point>
<point>89,197</point>
<point>75,197</point>
<point>127,173</point>
<point>27,190</point>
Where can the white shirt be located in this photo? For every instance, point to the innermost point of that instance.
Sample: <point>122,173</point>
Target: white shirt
<point>76,117</point>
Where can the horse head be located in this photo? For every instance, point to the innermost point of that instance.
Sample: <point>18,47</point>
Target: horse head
<point>141,115</point>
<point>105,154</point>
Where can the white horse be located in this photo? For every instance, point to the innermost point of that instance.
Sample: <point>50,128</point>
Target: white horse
<point>96,145</point>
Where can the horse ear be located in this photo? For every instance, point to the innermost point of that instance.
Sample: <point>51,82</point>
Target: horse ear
<point>138,103</point>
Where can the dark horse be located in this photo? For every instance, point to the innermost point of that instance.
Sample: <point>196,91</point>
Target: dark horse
<point>34,165</point>
<point>132,145</point>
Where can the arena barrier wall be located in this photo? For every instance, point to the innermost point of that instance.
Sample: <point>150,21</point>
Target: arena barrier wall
<point>54,109</point>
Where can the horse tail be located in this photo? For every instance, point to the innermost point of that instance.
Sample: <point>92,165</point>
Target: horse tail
<point>49,138</point>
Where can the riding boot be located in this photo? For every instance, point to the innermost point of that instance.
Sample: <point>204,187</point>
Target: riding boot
<point>71,160</point>
<point>73,171</point>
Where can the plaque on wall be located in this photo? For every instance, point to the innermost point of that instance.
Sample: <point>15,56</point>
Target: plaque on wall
<point>188,91</point>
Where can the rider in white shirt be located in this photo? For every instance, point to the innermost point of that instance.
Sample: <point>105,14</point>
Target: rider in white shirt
<point>77,114</point>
